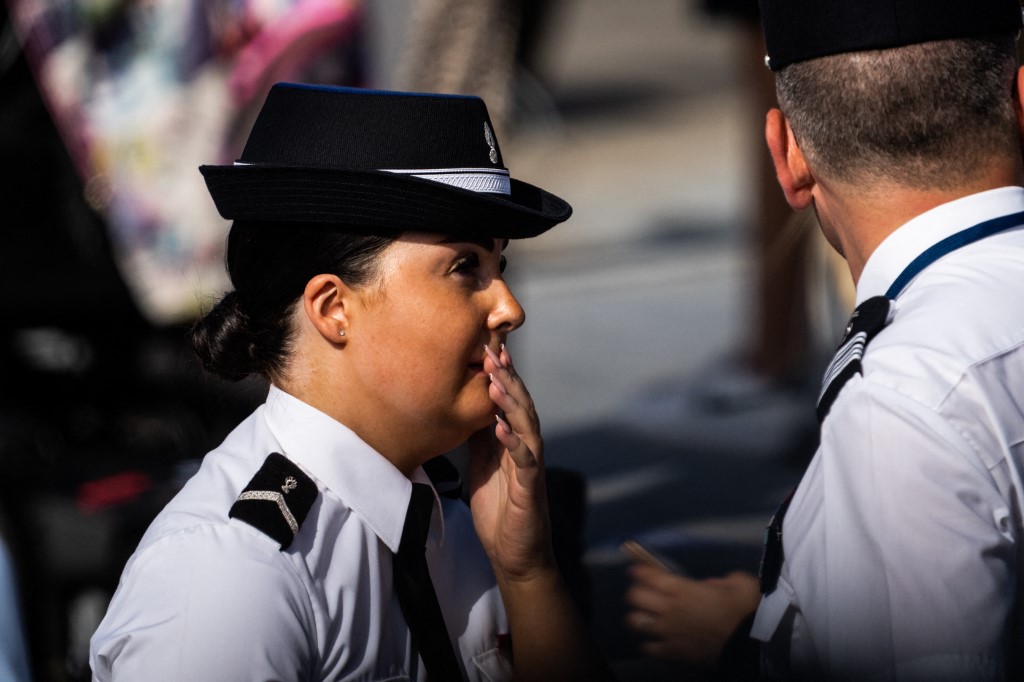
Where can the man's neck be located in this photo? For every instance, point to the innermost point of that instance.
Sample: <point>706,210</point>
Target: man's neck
<point>856,220</point>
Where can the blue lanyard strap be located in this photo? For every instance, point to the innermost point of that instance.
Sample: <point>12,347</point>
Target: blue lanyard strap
<point>950,244</point>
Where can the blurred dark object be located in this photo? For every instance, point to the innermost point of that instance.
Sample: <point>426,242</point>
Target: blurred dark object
<point>746,10</point>
<point>13,648</point>
<point>487,48</point>
<point>102,414</point>
<point>567,500</point>
<point>142,93</point>
<point>782,350</point>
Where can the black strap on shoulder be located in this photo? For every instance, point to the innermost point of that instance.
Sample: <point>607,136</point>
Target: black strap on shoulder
<point>771,554</point>
<point>277,499</point>
<point>868,319</point>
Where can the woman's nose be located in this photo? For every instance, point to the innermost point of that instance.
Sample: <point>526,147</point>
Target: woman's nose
<point>506,315</point>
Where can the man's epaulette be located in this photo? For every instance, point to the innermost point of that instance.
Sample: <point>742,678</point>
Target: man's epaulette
<point>277,499</point>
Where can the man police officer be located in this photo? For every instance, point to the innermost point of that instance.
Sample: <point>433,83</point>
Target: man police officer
<point>899,554</point>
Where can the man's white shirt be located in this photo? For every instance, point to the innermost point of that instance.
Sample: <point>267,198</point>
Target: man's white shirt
<point>902,542</point>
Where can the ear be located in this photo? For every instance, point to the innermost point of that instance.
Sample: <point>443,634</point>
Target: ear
<point>324,301</point>
<point>790,165</point>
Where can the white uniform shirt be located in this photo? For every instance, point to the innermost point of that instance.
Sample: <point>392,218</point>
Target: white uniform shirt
<point>901,545</point>
<point>206,597</point>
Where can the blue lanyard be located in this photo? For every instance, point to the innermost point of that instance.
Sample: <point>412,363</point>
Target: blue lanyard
<point>950,244</point>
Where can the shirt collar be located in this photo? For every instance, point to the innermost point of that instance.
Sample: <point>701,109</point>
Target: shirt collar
<point>365,480</point>
<point>911,239</point>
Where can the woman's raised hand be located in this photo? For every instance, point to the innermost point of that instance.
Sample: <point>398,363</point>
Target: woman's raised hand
<point>508,499</point>
<point>508,496</point>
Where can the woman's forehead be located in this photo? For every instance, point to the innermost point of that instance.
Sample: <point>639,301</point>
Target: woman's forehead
<point>484,242</point>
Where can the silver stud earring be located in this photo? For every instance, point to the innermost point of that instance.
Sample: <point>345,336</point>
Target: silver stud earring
<point>341,333</point>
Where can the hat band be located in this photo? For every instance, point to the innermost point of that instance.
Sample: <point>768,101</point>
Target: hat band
<point>486,180</point>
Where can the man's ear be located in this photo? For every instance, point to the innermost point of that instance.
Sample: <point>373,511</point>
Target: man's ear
<point>790,164</point>
<point>324,301</point>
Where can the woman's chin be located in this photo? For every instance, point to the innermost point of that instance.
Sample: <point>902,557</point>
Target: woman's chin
<point>484,418</point>
<point>481,420</point>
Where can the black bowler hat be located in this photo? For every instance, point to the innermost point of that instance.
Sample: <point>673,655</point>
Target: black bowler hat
<point>798,30</point>
<point>371,159</point>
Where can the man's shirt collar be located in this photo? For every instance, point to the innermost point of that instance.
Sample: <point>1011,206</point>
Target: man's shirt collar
<point>912,238</point>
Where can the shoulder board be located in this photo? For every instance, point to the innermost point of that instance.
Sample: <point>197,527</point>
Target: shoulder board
<point>870,317</point>
<point>277,499</point>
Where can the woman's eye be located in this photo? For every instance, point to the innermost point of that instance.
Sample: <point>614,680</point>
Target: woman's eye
<point>470,261</point>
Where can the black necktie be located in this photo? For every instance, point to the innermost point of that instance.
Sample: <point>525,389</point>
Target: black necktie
<point>416,593</point>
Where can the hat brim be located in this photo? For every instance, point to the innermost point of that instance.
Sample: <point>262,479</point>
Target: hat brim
<point>370,200</point>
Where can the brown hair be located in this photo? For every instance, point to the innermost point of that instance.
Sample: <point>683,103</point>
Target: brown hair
<point>249,331</point>
<point>925,115</point>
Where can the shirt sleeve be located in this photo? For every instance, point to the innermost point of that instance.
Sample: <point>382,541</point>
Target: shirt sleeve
<point>900,550</point>
<point>217,602</point>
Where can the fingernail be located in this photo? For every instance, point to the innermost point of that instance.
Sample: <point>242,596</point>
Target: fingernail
<point>503,423</point>
<point>497,383</point>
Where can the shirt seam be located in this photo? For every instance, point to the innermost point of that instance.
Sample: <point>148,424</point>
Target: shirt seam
<point>933,411</point>
<point>177,533</point>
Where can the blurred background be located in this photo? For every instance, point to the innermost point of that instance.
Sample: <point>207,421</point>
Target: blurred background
<point>677,324</point>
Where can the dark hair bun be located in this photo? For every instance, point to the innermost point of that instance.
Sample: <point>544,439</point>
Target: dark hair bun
<point>222,340</point>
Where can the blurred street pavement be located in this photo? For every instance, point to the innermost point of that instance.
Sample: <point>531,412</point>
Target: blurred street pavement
<point>639,306</point>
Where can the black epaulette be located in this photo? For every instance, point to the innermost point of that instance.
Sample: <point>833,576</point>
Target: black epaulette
<point>868,319</point>
<point>277,499</point>
<point>445,477</point>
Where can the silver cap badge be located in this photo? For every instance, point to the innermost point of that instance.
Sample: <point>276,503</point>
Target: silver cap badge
<point>489,138</point>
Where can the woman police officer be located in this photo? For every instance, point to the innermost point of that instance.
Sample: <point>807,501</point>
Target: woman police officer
<point>366,259</point>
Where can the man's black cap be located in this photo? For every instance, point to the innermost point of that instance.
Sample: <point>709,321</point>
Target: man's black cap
<point>798,30</point>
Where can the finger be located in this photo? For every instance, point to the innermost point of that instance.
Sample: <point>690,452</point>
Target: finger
<point>503,368</point>
<point>521,454</point>
<point>642,555</point>
<point>513,384</point>
<point>503,360</point>
<point>646,574</point>
<point>520,417</point>
<point>506,361</point>
<point>494,357</point>
<point>641,621</point>
<point>660,579</point>
<point>641,585</point>
<point>643,598</point>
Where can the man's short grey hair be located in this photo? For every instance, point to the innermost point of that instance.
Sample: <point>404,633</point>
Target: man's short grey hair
<point>927,115</point>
